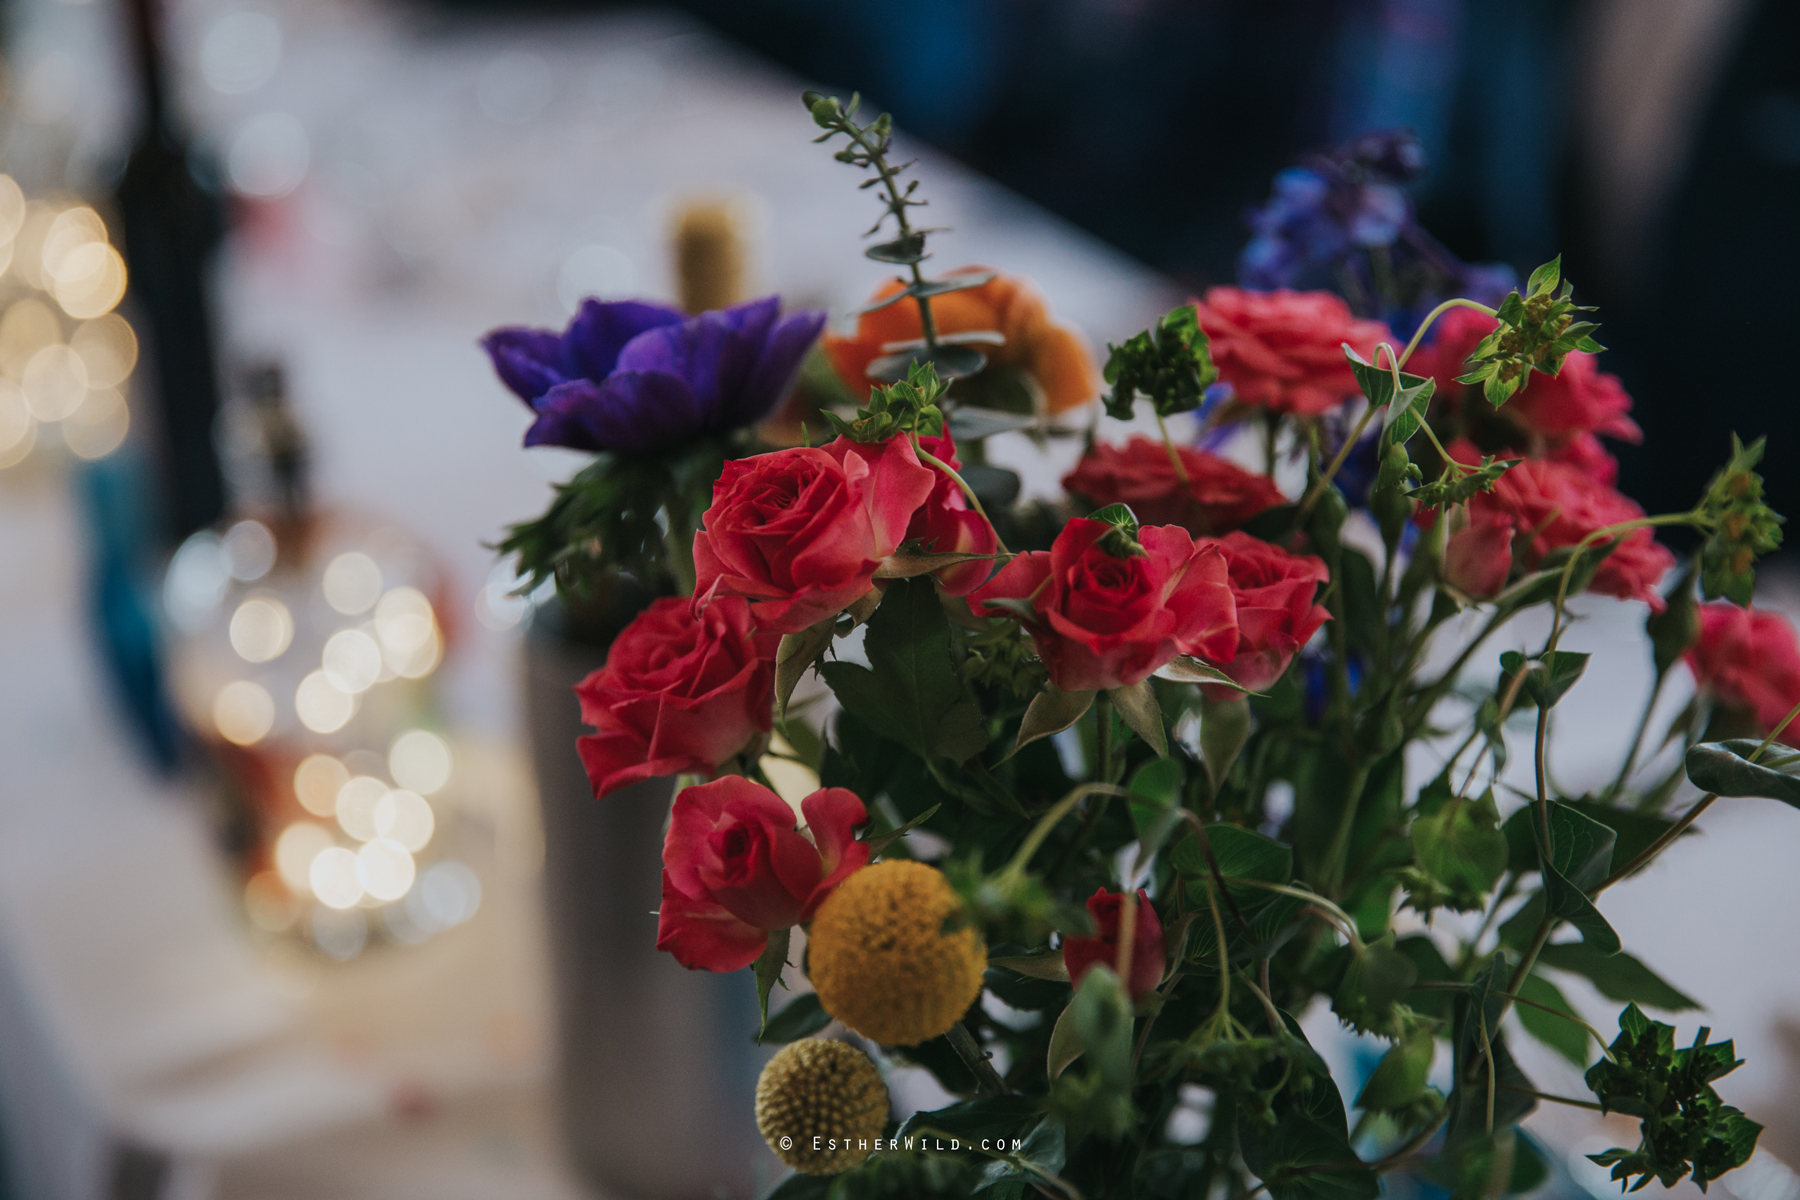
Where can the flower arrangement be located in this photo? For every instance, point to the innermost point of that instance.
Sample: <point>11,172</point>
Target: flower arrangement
<point>1046,860</point>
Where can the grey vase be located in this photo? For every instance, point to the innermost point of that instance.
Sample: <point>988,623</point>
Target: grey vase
<point>656,1070</point>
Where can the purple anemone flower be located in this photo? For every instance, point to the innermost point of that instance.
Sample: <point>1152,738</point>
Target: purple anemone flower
<point>636,377</point>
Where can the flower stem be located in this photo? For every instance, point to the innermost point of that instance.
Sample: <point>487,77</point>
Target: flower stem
<point>1432,316</point>
<point>1637,741</point>
<point>1049,821</point>
<point>1318,489</point>
<point>1174,456</point>
<point>976,1059</point>
<point>931,460</point>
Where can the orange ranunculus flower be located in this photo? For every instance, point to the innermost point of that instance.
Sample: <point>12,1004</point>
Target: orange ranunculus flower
<point>1051,352</point>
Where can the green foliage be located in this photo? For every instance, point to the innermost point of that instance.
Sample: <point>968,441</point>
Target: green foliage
<point>1171,364</point>
<point>1547,678</point>
<point>799,1018</point>
<point>1458,846</point>
<point>1536,332</point>
<point>1460,483</point>
<point>907,407</point>
<point>767,970</point>
<point>1740,526</point>
<point>1615,976</point>
<point>1405,405</point>
<point>1726,768</point>
<point>910,690</point>
<point>1685,1126</point>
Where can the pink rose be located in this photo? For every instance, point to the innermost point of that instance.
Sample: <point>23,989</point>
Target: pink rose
<point>1217,496</point>
<point>1543,504</point>
<point>1273,591</point>
<point>1749,659</point>
<point>1284,350</point>
<point>682,690</point>
<point>1105,621</point>
<point>945,524</point>
<point>799,532</point>
<point>1149,956</point>
<point>735,868</point>
<point>1580,399</point>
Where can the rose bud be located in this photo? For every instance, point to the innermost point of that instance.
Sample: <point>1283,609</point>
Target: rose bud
<point>1149,957</point>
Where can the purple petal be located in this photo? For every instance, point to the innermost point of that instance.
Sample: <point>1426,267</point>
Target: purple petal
<point>632,411</point>
<point>782,353</point>
<point>526,359</point>
<point>591,344</point>
<point>714,352</point>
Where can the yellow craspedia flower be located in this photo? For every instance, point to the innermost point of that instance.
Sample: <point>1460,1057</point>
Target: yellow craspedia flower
<point>879,957</point>
<point>821,1106</point>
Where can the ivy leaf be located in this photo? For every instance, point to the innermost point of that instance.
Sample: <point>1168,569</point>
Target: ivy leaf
<point>1580,857</point>
<point>799,1018</point>
<point>1375,980</point>
<point>1725,768</point>
<point>768,967</point>
<point>1563,1036</point>
<point>910,692</point>
<point>1616,976</point>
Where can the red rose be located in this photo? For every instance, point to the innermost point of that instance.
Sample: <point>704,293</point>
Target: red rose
<point>1749,659</point>
<point>735,868</point>
<point>1580,399</point>
<point>682,690</point>
<point>1284,350</point>
<point>799,532</point>
<point>1274,591</point>
<point>1543,504</point>
<point>945,524</point>
<point>1149,957</point>
<point>1217,496</point>
<point>1102,621</point>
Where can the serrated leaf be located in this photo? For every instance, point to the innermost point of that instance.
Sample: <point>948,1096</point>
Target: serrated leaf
<point>768,967</point>
<point>1051,711</point>
<point>799,1018</point>
<point>1138,708</point>
<point>1725,768</point>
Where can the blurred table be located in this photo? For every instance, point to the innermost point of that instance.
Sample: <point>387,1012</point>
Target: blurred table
<point>449,177</point>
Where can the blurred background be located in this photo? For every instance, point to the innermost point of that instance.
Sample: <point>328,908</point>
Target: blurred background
<point>271,858</point>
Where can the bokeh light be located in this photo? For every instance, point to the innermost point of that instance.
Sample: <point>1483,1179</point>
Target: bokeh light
<point>270,903</point>
<point>295,850</point>
<point>419,760</point>
<point>448,894</point>
<point>243,712</point>
<point>317,781</point>
<point>99,425</point>
<point>12,209</point>
<point>29,326</point>
<point>405,817</point>
<point>340,933</point>
<point>240,52</point>
<point>355,808</point>
<point>199,576</point>
<point>321,705</point>
<point>18,428</point>
<point>268,156</point>
<point>352,583</point>
<point>261,629</point>
<point>335,879</point>
<point>89,281</point>
<point>386,869</point>
<point>108,348</point>
<point>408,631</point>
<point>54,382</point>
<point>352,661</point>
<point>249,550</point>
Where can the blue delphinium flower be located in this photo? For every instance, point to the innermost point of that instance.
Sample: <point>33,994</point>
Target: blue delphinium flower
<point>1342,221</point>
<point>635,377</point>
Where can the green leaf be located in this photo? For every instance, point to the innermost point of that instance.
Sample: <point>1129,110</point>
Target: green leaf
<point>1563,1036</point>
<point>1461,846</point>
<point>882,841</point>
<point>1405,407</point>
<point>1302,1159</point>
<point>1677,627</point>
<point>1037,966</point>
<point>1224,729</point>
<point>1581,856</point>
<point>802,1187</point>
<point>796,654</point>
<point>1155,804</point>
<point>1544,280</point>
<point>1137,706</point>
<point>989,1117</point>
<point>1050,712</point>
<point>1548,677</point>
<point>1725,768</point>
<point>768,968</point>
<point>1043,1154</point>
<point>910,692</point>
<point>1170,363</point>
<point>1191,670</point>
<point>1242,854</point>
<point>1065,1045</point>
<point>799,1018</point>
<point>1398,1080</point>
<point>1375,979</point>
<point>1101,1015</point>
<point>1616,976</point>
